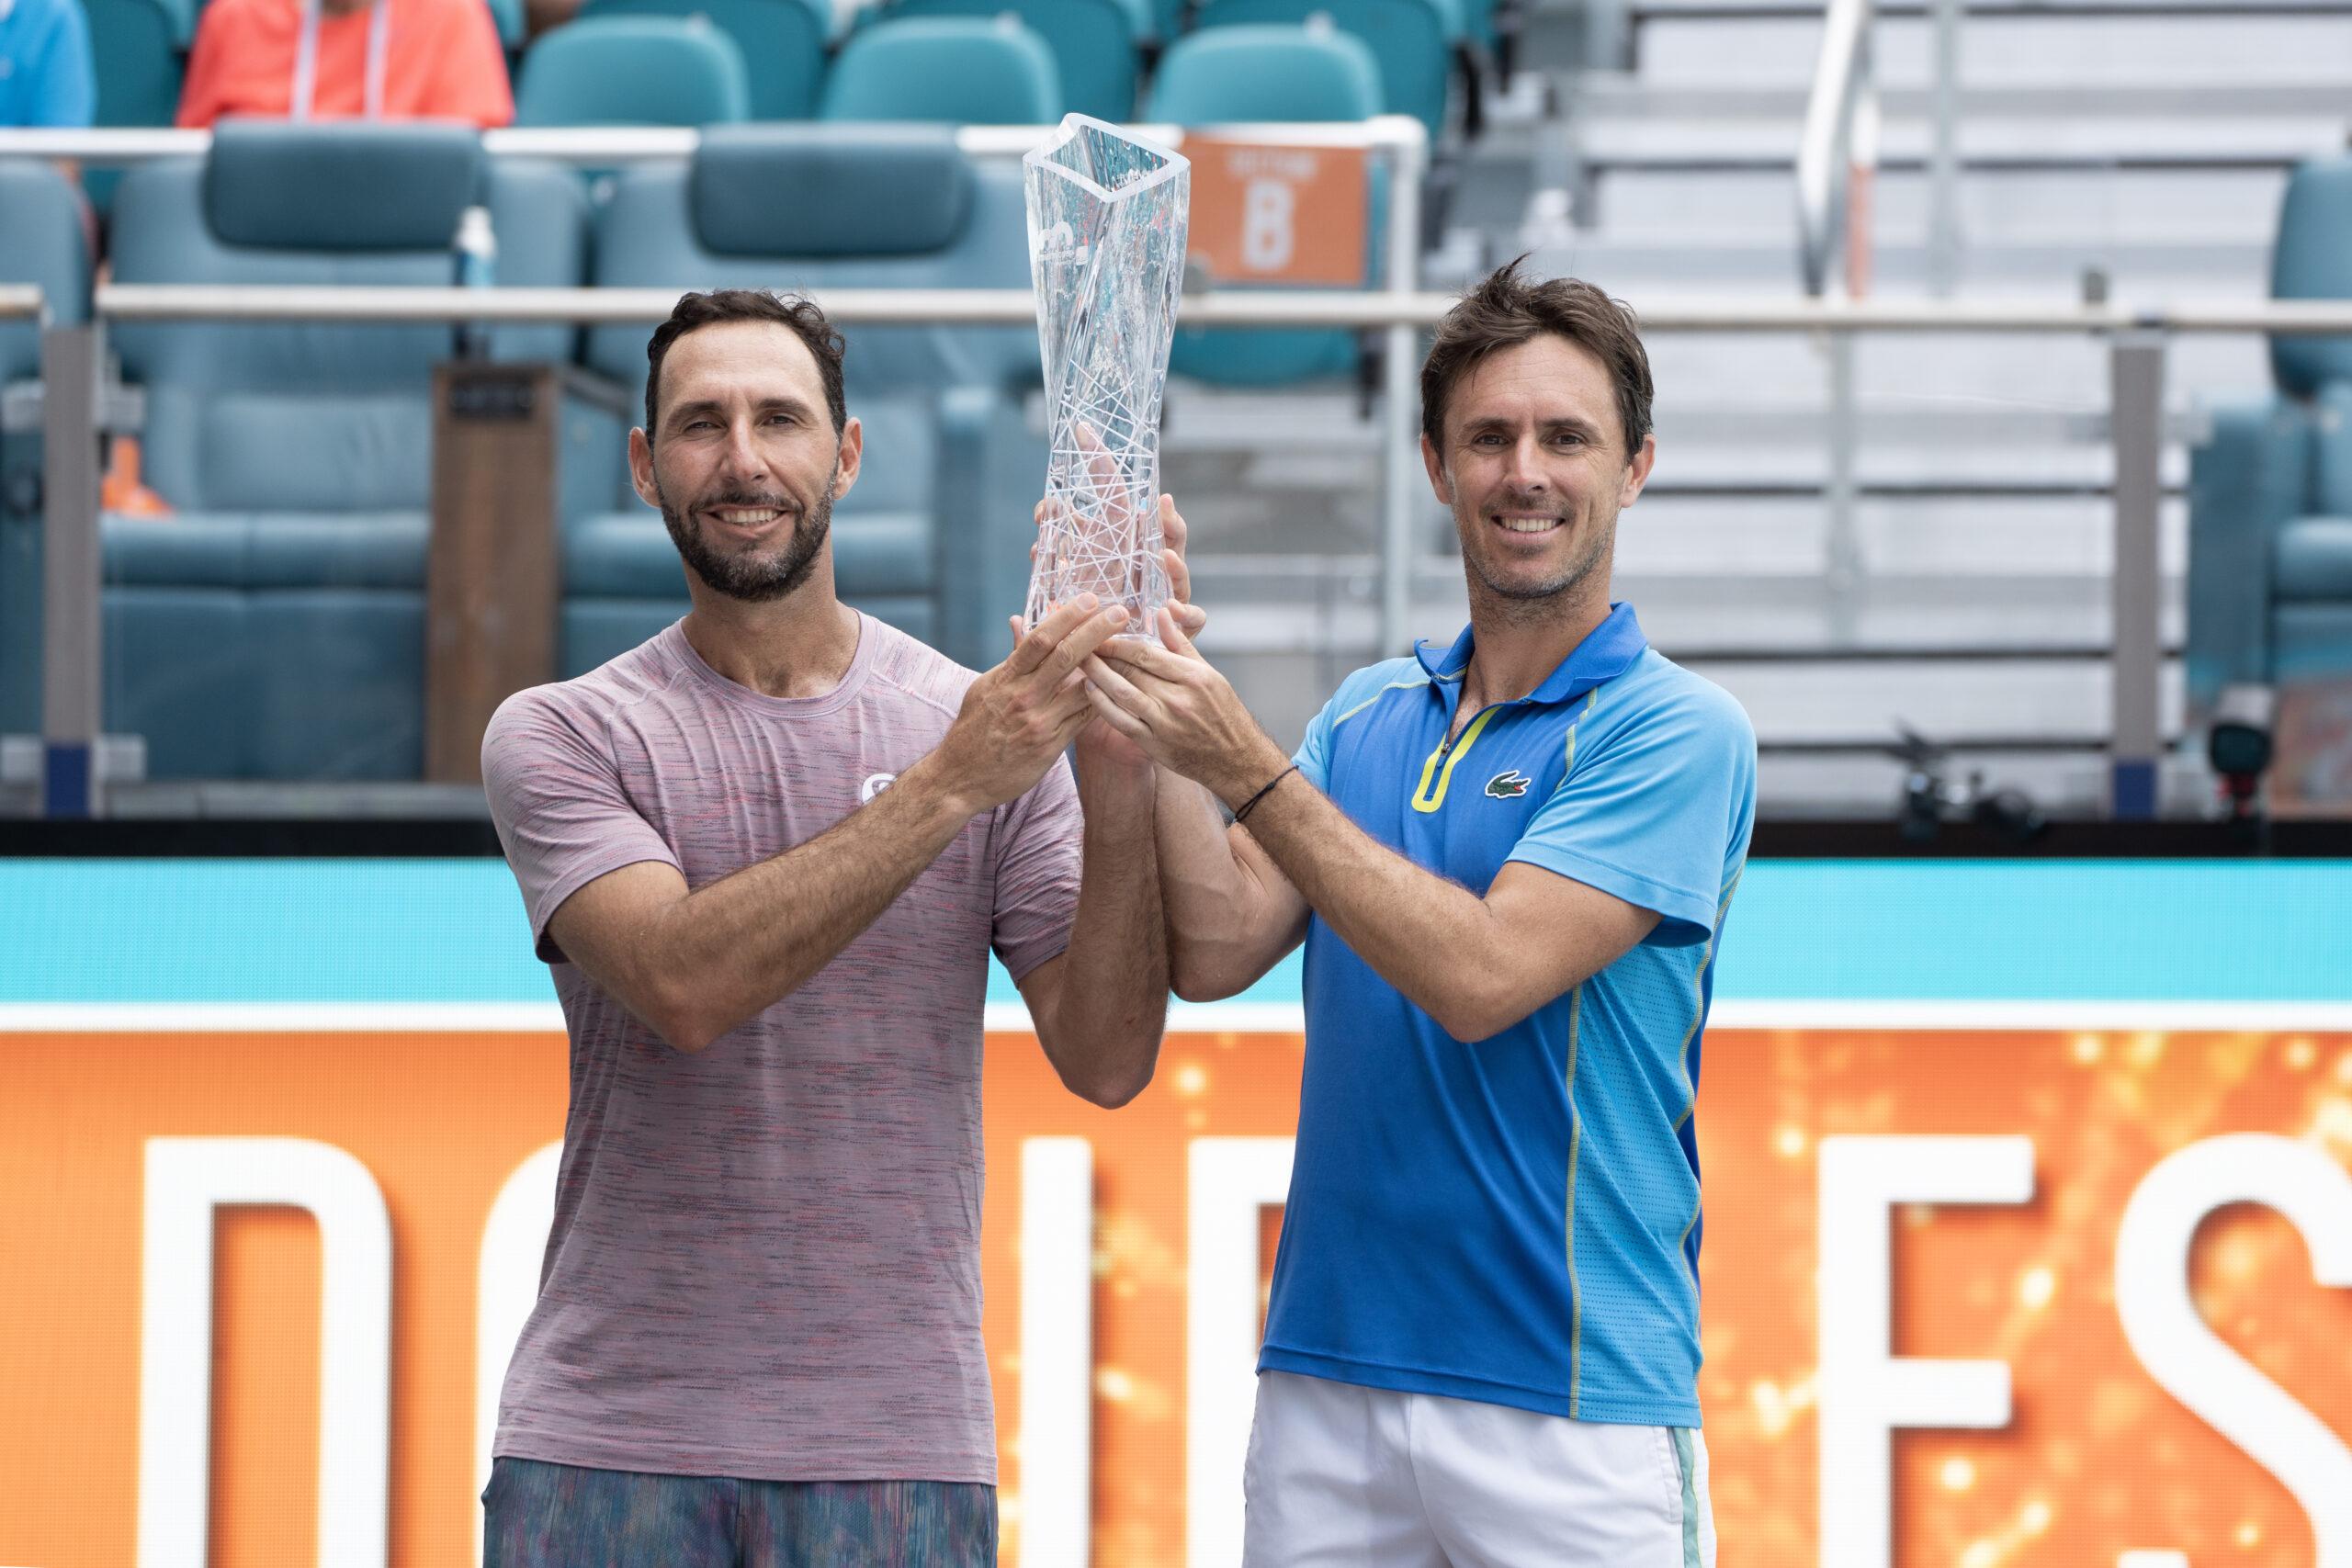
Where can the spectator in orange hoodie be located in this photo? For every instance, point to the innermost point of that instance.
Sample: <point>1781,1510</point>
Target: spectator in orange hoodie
<point>346,59</point>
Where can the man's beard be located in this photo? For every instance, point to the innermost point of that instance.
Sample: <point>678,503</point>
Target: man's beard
<point>1527,592</point>
<point>754,577</point>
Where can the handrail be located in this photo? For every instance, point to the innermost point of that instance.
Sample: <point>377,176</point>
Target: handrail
<point>1825,147</point>
<point>21,300</point>
<point>1220,308</point>
<point>605,146</point>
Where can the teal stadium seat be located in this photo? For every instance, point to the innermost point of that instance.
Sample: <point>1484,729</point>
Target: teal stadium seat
<point>934,538</point>
<point>1411,39</point>
<point>783,43</point>
<point>634,70</point>
<point>1093,43</point>
<point>946,69</point>
<point>2270,491</point>
<point>513,27</point>
<point>273,629</point>
<point>1224,76</point>
<point>41,241</point>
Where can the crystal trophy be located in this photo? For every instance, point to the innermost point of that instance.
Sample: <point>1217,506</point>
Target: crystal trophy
<point>1106,253</point>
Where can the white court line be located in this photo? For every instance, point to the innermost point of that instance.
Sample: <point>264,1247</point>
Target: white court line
<point>1184,1017</point>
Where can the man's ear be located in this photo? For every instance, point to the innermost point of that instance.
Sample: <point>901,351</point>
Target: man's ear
<point>640,468</point>
<point>1637,472</point>
<point>848,456</point>
<point>1436,465</point>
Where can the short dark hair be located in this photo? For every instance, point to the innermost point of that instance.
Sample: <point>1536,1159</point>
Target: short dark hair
<point>1508,309</point>
<point>807,321</point>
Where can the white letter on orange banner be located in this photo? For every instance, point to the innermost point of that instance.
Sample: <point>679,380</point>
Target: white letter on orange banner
<point>2188,1360</point>
<point>1865,1391</point>
<point>1232,1179</point>
<point>187,1178</point>
<point>1057,1442</point>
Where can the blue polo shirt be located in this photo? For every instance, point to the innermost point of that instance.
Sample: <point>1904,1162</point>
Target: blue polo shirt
<point>45,72</point>
<point>1517,1219</point>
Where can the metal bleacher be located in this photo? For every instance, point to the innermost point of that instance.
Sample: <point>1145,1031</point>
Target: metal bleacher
<point>2135,146</point>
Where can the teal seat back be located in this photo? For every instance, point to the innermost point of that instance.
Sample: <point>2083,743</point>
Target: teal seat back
<point>783,43</point>
<point>1093,42</point>
<point>512,31</point>
<point>1411,38</point>
<point>41,241</point>
<point>814,206</point>
<point>320,415</point>
<point>1265,72</point>
<point>2312,260</point>
<point>634,70</point>
<point>950,70</point>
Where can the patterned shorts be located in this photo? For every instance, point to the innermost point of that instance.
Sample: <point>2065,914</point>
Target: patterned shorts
<point>537,1515</point>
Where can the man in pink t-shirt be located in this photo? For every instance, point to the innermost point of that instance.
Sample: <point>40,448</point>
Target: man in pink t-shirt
<point>768,853</point>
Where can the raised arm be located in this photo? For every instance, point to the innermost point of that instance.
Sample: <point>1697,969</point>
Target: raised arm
<point>694,964</point>
<point>1475,965</point>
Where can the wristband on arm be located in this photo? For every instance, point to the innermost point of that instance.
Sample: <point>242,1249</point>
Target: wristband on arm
<point>1243,809</point>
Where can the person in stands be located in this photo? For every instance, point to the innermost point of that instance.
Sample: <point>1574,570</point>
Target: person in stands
<point>45,75</point>
<point>347,59</point>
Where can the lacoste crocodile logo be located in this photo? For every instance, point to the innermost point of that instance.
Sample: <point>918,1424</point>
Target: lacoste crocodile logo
<point>1508,785</point>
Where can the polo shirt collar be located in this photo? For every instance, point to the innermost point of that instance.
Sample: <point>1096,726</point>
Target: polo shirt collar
<point>1607,652</point>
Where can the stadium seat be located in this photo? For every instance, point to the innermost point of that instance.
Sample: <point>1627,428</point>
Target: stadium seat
<point>273,629</point>
<point>41,241</point>
<point>2270,491</point>
<point>1411,39</point>
<point>783,43</point>
<point>934,537</point>
<point>634,70</point>
<point>1269,73</point>
<point>1228,76</point>
<point>953,69</point>
<point>1093,43</point>
<point>513,30</point>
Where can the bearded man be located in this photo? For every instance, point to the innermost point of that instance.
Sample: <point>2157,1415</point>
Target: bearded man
<point>768,854</point>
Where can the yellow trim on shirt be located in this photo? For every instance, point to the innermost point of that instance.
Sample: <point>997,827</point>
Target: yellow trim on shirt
<point>1423,799</point>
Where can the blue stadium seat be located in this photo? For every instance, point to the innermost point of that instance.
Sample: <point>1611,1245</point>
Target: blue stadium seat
<point>273,629</point>
<point>1093,43</point>
<point>783,43</point>
<point>2270,493</point>
<point>1267,73</point>
<point>1412,40</point>
<point>41,241</point>
<point>513,25</point>
<point>934,537</point>
<point>1227,75</point>
<point>950,70</point>
<point>634,70</point>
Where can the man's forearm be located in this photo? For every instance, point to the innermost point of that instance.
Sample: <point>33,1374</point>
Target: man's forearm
<point>1112,1003</point>
<point>727,951</point>
<point>1229,914</point>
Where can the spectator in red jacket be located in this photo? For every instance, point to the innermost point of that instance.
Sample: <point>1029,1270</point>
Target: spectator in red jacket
<point>346,59</point>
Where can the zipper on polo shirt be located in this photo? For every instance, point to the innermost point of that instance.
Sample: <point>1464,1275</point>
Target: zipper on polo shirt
<point>1449,751</point>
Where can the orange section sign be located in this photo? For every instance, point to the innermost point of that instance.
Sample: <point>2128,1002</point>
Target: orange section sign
<point>1272,214</point>
<point>1989,1299</point>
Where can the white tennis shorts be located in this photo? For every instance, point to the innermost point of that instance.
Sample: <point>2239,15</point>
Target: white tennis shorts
<point>1341,1476</point>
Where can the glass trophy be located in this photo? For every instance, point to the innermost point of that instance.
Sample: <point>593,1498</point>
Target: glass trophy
<point>1106,253</point>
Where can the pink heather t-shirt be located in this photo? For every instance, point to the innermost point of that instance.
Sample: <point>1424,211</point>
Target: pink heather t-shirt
<point>765,1261</point>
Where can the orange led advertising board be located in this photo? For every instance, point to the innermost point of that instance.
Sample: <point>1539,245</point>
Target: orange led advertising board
<point>1972,1297</point>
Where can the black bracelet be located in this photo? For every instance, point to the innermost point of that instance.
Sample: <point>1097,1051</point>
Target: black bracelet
<point>1243,809</point>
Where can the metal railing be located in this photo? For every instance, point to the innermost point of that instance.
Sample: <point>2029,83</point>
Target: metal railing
<point>2137,339</point>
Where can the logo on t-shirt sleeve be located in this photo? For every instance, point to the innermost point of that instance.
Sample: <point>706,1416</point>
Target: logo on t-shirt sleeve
<point>875,785</point>
<point>1508,785</point>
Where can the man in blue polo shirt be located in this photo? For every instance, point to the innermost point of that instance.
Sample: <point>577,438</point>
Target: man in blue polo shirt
<point>1510,861</point>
